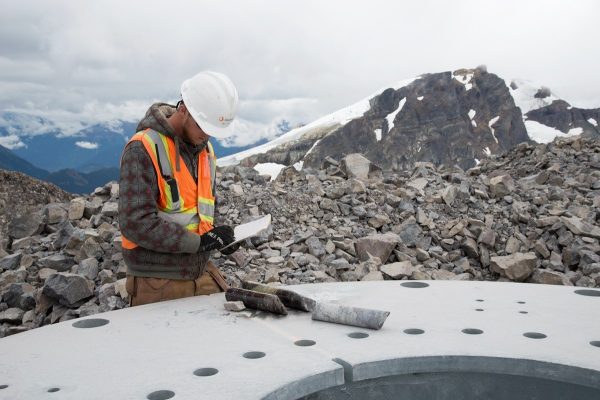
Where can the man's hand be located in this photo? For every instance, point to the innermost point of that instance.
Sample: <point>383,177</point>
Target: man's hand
<point>217,238</point>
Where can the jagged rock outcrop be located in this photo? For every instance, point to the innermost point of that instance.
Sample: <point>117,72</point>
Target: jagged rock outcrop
<point>562,116</point>
<point>530,215</point>
<point>441,118</point>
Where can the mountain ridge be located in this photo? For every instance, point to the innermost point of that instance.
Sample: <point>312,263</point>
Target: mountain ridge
<point>475,112</point>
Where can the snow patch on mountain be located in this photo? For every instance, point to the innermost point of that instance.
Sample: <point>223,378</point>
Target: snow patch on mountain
<point>378,134</point>
<point>524,96</point>
<point>271,169</point>
<point>592,121</point>
<point>465,79</point>
<point>392,116</point>
<point>472,114</point>
<point>545,134</point>
<point>490,124</point>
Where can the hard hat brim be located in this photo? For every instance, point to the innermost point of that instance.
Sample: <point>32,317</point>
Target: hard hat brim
<point>218,132</point>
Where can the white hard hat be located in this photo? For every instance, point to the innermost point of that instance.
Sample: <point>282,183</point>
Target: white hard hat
<point>212,100</point>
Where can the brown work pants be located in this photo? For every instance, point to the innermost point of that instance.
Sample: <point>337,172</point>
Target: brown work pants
<point>151,290</point>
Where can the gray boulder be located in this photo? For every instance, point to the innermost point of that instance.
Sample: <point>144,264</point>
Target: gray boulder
<point>12,315</point>
<point>548,277</point>
<point>55,213</point>
<point>11,261</point>
<point>68,289</point>
<point>379,245</point>
<point>110,209</point>
<point>409,233</point>
<point>357,166</point>
<point>76,208</point>
<point>20,295</point>
<point>502,185</point>
<point>398,270</point>
<point>27,225</point>
<point>580,227</point>
<point>58,262</point>
<point>315,247</point>
<point>516,267</point>
<point>87,268</point>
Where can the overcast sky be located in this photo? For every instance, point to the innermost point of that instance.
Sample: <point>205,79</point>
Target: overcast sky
<point>80,62</point>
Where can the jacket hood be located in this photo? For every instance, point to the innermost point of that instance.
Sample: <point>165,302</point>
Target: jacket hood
<point>156,118</point>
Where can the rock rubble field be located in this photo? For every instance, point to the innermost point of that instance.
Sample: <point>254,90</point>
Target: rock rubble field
<point>531,215</point>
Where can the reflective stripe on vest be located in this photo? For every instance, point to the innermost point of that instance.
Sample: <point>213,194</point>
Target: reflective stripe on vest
<point>182,200</point>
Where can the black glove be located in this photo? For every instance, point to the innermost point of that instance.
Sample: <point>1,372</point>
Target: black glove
<point>217,238</point>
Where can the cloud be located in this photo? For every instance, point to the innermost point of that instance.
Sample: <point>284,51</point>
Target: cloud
<point>80,63</point>
<point>87,145</point>
<point>11,142</point>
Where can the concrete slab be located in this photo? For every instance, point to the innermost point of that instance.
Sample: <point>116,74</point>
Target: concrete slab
<point>444,327</point>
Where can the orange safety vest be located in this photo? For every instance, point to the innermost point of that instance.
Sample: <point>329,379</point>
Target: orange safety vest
<point>182,200</point>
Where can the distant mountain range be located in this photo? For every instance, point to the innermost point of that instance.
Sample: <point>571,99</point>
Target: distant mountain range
<point>78,163</point>
<point>68,179</point>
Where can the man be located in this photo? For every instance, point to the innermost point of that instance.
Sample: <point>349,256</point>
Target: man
<point>167,194</point>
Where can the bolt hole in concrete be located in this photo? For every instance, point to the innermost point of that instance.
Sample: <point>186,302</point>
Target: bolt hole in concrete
<point>90,323</point>
<point>3,386</point>
<point>161,395</point>
<point>479,309</point>
<point>53,390</point>
<point>206,372</point>
<point>535,335</point>
<point>523,312</point>
<point>414,285</point>
<point>472,331</point>
<point>305,343</point>
<point>358,335</point>
<point>413,331</point>
<point>252,355</point>
<point>588,292</point>
<point>595,343</point>
<point>480,300</point>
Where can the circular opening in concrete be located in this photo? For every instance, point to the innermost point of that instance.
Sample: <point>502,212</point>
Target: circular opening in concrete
<point>53,390</point>
<point>535,335</point>
<point>254,355</point>
<point>305,343</point>
<point>358,335</point>
<point>472,331</point>
<point>595,343</point>
<point>206,372</point>
<point>588,292</point>
<point>520,302</point>
<point>479,309</point>
<point>90,323</point>
<point>470,378</point>
<point>414,285</point>
<point>523,312</point>
<point>414,331</point>
<point>161,395</point>
<point>480,300</point>
<point>3,386</point>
